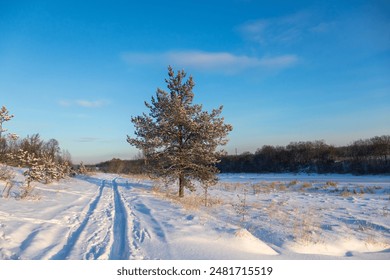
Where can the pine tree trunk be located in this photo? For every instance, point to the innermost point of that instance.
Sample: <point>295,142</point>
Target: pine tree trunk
<point>181,185</point>
<point>205,196</point>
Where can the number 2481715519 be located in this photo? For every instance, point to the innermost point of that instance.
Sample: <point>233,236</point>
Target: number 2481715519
<point>240,270</point>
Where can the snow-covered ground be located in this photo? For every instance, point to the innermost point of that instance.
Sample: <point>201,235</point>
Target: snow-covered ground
<point>272,216</point>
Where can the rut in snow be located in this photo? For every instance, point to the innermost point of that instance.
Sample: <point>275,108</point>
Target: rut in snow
<point>74,235</point>
<point>120,249</point>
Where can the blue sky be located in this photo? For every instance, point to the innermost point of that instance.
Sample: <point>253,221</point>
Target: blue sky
<point>285,71</point>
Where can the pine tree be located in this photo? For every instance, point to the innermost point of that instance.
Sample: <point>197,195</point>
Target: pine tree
<point>4,117</point>
<point>50,167</point>
<point>35,171</point>
<point>178,139</point>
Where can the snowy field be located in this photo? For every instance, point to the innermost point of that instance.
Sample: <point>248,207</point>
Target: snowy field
<point>272,216</point>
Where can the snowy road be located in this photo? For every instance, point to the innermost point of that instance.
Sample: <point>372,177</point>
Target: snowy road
<point>122,234</point>
<point>105,216</point>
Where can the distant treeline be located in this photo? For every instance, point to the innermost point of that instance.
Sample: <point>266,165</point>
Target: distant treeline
<point>136,166</point>
<point>369,156</point>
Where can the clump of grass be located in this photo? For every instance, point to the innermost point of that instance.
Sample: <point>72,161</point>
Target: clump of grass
<point>346,192</point>
<point>272,186</point>
<point>331,184</point>
<point>265,188</point>
<point>305,185</point>
<point>282,187</point>
<point>257,188</point>
<point>306,226</point>
<point>242,206</point>
<point>192,201</point>
<point>141,176</point>
<point>275,211</point>
<point>370,190</point>
<point>159,187</point>
<point>232,187</point>
<point>292,183</point>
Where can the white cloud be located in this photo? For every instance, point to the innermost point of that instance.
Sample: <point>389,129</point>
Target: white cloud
<point>215,61</point>
<point>83,103</point>
<point>287,29</point>
<point>90,103</point>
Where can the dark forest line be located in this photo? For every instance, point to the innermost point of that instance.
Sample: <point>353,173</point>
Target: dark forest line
<point>368,156</point>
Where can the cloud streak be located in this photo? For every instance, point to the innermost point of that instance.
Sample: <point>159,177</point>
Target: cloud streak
<point>83,103</point>
<point>274,30</point>
<point>90,104</point>
<point>214,61</point>
<point>283,30</point>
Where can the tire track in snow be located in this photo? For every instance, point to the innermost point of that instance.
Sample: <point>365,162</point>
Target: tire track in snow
<point>120,249</point>
<point>97,249</point>
<point>142,226</point>
<point>136,234</point>
<point>74,235</point>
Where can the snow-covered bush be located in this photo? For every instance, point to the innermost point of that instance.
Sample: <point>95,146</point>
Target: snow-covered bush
<point>41,168</point>
<point>4,117</point>
<point>6,174</point>
<point>65,169</point>
<point>82,169</point>
<point>35,172</point>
